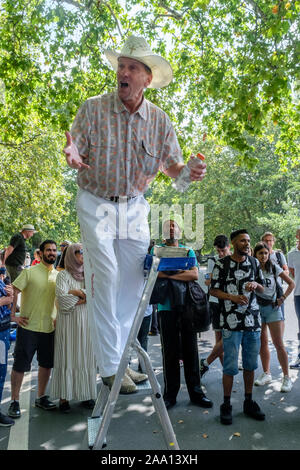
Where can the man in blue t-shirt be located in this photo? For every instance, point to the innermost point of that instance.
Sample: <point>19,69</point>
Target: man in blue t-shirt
<point>178,338</point>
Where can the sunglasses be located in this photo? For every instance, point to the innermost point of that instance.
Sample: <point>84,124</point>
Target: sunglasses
<point>79,251</point>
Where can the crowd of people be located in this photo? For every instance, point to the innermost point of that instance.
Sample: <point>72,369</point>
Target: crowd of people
<point>247,290</point>
<point>247,299</point>
<point>118,142</point>
<point>52,301</point>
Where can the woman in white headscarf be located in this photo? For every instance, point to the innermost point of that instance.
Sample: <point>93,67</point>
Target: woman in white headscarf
<point>74,371</point>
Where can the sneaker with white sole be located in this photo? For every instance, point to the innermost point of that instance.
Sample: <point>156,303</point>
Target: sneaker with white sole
<point>14,409</point>
<point>6,421</point>
<point>286,384</point>
<point>296,364</point>
<point>44,403</point>
<point>263,379</point>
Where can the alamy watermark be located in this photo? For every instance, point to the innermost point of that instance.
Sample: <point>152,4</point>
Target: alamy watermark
<point>138,221</point>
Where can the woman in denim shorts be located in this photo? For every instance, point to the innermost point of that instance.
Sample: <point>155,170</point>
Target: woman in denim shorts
<point>271,316</point>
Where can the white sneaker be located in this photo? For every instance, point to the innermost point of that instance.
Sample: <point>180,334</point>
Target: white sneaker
<point>286,384</point>
<point>296,364</point>
<point>263,379</point>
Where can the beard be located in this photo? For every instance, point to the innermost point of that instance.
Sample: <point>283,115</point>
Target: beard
<point>244,252</point>
<point>50,260</point>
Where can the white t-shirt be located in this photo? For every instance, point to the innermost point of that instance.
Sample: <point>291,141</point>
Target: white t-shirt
<point>294,262</point>
<point>273,258</point>
<point>270,284</point>
<point>210,266</point>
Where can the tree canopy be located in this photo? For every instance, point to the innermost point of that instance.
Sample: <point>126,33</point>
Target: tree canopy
<point>236,85</point>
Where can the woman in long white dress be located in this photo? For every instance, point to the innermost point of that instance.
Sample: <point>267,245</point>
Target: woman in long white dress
<point>74,372</point>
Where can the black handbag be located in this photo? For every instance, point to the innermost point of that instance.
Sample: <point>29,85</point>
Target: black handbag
<point>177,291</point>
<point>160,291</point>
<point>263,302</point>
<point>197,303</point>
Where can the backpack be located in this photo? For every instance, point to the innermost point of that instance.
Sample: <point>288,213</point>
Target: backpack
<point>197,304</point>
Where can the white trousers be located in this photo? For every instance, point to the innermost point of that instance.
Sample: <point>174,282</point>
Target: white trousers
<point>115,238</point>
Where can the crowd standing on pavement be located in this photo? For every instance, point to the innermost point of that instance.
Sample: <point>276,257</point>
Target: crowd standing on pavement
<point>246,298</point>
<point>118,143</point>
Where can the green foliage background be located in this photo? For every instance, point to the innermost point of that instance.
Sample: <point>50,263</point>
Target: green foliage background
<point>235,95</point>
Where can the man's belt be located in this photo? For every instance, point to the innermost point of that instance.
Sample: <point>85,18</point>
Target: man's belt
<point>122,198</point>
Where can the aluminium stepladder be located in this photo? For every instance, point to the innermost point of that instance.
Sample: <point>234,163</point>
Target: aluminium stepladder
<point>164,259</point>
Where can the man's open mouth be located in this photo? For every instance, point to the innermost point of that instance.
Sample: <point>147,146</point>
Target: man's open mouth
<point>123,84</point>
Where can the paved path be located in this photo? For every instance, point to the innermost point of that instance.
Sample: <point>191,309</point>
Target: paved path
<point>135,425</point>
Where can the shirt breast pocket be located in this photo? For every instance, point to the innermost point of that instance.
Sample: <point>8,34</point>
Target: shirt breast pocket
<point>95,139</point>
<point>148,158</point>
<point>102,147</point>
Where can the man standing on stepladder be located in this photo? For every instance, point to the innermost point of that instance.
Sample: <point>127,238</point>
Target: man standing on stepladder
<point>118,143</point>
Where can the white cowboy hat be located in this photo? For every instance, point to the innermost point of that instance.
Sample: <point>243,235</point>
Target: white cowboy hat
<point>137,48</point>
<point>28,227</point>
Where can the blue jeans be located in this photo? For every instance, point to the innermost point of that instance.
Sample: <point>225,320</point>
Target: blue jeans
<point>232,340</point>
<point>4,347</point>
<point>270,314</point>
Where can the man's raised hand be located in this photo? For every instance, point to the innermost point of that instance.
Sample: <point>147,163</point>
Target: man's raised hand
<point>74,160</point>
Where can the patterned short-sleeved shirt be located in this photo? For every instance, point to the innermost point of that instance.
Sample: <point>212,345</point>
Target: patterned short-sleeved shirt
<point>233,281</point>
<point>124,151</point>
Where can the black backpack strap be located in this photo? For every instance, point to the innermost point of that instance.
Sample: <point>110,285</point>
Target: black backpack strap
<point>278,257</point>
<point>226,265</point>
<point>253,264</point>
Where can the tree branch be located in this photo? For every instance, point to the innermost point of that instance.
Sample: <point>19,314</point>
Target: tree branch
<point>114,17</point>
<point>6,144</point>
<point>258,9</point>
<point>173,13</point>
<point>73,3</point>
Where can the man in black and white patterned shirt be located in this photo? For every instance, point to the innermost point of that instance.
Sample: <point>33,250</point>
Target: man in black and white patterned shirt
<point>234,282</point>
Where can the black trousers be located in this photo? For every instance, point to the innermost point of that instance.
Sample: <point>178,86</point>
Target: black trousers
<point>179,341</point>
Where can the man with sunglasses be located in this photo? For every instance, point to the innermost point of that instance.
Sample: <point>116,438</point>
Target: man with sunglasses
<point>62,246</point>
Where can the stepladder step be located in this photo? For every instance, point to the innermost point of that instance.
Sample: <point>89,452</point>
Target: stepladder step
<point>93,428</point>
